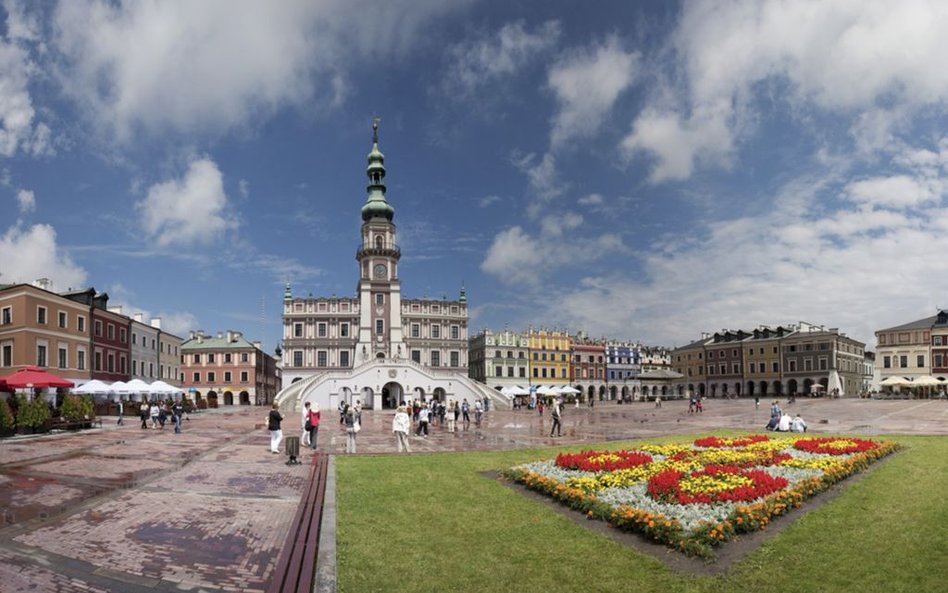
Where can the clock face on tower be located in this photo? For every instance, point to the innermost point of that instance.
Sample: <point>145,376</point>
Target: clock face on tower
<point>380,271</point>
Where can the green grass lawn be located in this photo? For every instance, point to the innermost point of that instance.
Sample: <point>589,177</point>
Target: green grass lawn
<point>434,523</point>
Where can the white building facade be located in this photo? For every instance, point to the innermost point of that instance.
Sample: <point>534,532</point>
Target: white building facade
<point>376,347</point>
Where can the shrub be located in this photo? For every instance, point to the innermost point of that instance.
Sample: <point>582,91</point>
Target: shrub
<point>31,413</point>
<point>7,422</point>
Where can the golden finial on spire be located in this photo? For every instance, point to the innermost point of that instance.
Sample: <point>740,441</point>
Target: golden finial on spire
<point>375,128</point>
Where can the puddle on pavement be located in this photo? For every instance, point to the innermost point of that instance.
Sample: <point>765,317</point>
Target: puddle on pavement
<point>192,545</point>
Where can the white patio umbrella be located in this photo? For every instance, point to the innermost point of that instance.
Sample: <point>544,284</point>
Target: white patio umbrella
<point>547,390</point>
<point>895,381</point>
<point>138,387</point>
<point>162,388</point>
<point>569,390</point>
<point>926,381</point>
<point>94,387</point>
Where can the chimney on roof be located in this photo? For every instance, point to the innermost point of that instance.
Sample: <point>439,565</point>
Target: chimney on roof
<point>230,336</point>
<point>156,322</point>
<point>258,345</point>
<point>116,309</point>
<point>220,335</point>
<point>44,283</point>
<point>138,317</point>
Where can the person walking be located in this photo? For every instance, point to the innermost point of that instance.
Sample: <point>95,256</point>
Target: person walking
<point>478,411</point>
<point>304,425</point>
<point>273,425</point>
<point>352,429</point>
<point>555,410</point>
<point>423,415</point>
<point>121,411</point>
<point>177,412</point>
<point>466,411</point>
<point>401,424</point>
<point>456,412</point>
<point>314,417</point>
<point>143,414</point>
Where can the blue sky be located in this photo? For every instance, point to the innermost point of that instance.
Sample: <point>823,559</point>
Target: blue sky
<point>640,170</point>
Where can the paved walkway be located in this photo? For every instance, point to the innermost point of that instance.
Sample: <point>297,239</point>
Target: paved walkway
<point>121,509</point>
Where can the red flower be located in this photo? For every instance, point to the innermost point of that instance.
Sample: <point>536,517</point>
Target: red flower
<point>718,442</point>
<point>834,446</point>
<point>596,461</point>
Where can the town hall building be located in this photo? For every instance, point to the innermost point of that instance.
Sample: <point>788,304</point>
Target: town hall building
<point>376,347</point>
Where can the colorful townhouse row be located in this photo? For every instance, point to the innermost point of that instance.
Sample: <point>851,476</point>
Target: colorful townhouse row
<point>78,336</point>
<point>599,369</point>
<point>797,359</point>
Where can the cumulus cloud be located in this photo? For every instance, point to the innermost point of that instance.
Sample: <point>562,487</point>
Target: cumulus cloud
<point>488,200</point>
<point>874,62</point>
<point>190,210</point>
<point>187,67</point>
<point>473,63</point>
<point>517,258</point>
<point>18,131</point>
<point>26,199</point>
<point>28,253</point>
<point>586,84</point>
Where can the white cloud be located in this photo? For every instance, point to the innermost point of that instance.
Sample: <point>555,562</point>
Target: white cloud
<point>488,200</point>
<point>543,177</point>
<point>187,67</point>
<point>190,210</point>
<point>27,254</point>
<point>875,62</point>
<point>26,199</point>
<point>842,268</point>
<point>17,131</point>
<point>586,84</point>
<point>243,186</point>
<point>516,258</point>
<point>591,200</point>
<point>476,62</point>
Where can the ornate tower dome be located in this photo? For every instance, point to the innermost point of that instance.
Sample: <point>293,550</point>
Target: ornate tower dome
<point>376,206</point>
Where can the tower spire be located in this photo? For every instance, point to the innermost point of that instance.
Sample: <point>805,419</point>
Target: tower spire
<point>376,205</point>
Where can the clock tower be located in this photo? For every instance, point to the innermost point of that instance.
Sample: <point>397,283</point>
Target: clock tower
<point>380,320</point>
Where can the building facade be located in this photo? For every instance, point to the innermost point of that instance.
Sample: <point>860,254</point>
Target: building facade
<point>169,355</point>
<point>144,350</point>
<point>549,357</point>
<point>499,359</point>
<point>800,359</point>
<point>227,369</point>
<point>41,328</point>
<point>378,347</point>
<point>906,350</point>
<point>588,372</point>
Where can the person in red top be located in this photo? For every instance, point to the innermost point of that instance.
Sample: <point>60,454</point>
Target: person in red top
<point>313,419</point>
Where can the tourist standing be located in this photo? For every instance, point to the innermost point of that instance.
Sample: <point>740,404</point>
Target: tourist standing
<point>153,411</point>
<point>401,424</point>
<point>273,425</point>
<point>478,411</point>
<point>143,411</point>
<point>658,401</point>
<point>177,412</point>
<point>452,416</point>
<point>314,417</point>
<point>555,411</point>
<point>352,428</point>
<point>466,411</point>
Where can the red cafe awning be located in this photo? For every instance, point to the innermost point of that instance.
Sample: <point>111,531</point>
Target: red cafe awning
<point>31,377</point>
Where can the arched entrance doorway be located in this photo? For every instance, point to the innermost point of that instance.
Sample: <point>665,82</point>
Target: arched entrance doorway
<point>613,392</point>
<point>419,394</point>
<point>778,387</point>
<point>439,394</point>
<point>366,397</point>
<point>212,399</point>
<point>345,394</point>
<point>592,393</point>
<point>228,398</point>
<point>792,386</point>
<point>763,388</point>
<point>602,392</point>
<point>392,394</point>
<point>701,389</point>
<point>244,398</point>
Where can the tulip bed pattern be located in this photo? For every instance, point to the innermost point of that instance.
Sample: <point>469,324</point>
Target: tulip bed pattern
<point>694,496</point>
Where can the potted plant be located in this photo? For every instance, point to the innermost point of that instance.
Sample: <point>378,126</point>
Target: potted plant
<point>7,421</point>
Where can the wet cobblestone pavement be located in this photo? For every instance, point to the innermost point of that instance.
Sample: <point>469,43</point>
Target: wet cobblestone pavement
<point>121,509</point>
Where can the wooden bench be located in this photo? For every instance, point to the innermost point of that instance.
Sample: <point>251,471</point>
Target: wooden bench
<point>296,566</point>
<point>62,423</point>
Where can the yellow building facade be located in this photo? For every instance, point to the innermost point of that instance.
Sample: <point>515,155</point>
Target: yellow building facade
<point>549,357</point>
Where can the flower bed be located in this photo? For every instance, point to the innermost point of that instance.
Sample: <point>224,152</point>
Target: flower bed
<point>697,495</point>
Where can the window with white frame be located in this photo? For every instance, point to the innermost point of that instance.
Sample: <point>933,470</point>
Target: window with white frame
<point>297,358</point>
<point>6,316</point>
<point>379,327</point>
<point>6,359</point>
<point>322,358</point>
<point>343,330</point>
<point>435,331</point>
<point>62,319</point>
<point>41,315</point>
<point>41,354</point>
<point>435,358</point>
<point>321,330</point>
<point>81,323</point>
<point>416,330</point>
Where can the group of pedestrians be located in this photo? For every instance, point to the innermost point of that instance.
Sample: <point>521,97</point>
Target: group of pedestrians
<point>158,413</point>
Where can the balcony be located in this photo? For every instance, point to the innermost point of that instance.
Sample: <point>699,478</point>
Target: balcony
<point>385,249</point>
